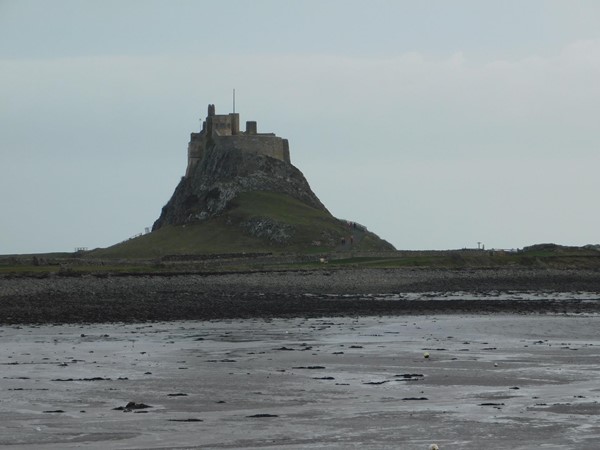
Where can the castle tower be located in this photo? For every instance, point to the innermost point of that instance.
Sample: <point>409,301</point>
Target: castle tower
<point>235,123</point>
<point>251,127</point>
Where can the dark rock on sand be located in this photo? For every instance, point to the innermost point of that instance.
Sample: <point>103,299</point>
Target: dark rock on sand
<point>410,376</point>
<point>132,406</point>
<point>309,367</point>
<point>186,420</point>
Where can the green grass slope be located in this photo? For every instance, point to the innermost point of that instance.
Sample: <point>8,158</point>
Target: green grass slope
<point>314,231</point>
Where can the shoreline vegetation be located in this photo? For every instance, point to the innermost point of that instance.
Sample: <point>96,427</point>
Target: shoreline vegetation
<point>541,256</point>
<point>76,289</point>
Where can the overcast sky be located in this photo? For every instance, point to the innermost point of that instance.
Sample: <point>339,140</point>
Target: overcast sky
<point>437,124</point>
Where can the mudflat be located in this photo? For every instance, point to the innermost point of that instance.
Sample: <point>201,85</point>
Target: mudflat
<point>331,359</point>
<point>500,381</point>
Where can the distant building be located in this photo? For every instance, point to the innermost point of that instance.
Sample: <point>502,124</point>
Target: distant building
<point>223,130</point>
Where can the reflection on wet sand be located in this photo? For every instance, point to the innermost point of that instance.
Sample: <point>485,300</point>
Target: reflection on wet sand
<point>304,383</point>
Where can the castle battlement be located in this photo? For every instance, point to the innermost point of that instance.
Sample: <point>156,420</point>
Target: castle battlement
<point>223,130</point>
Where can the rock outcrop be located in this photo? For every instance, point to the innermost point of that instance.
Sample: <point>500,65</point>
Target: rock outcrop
<point>223,174</point>
<point>241,193</point>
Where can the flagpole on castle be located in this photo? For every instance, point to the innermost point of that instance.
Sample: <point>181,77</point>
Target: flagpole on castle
<point>234,101</point>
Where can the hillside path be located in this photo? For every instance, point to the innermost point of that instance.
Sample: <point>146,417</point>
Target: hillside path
<point>354,235</point>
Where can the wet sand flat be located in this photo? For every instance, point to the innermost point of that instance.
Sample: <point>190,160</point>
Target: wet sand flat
<point>491,381</point>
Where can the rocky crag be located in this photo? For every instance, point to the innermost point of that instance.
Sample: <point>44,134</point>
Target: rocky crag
<point>224,163</point>
<point>241,193</point>
<point>222,175</point>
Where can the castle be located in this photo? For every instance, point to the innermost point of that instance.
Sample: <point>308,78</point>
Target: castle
<point>223,131</point>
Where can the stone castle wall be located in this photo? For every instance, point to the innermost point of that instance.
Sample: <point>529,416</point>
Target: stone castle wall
<point>223,131</point>
<point>268,145</point>
<point>195,152</point>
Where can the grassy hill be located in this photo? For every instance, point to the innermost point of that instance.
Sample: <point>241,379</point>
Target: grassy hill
<point>242,229</point>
